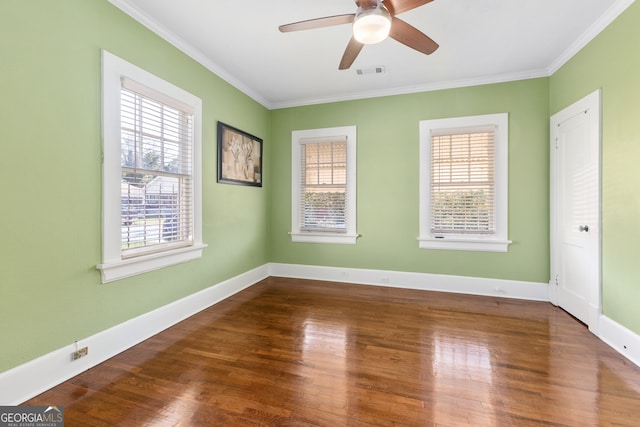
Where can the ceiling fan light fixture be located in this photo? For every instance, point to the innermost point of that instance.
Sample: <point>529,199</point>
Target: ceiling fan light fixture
<point>372,25</point>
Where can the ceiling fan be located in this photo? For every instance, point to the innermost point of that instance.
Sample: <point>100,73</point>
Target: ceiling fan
<point>373,22</point>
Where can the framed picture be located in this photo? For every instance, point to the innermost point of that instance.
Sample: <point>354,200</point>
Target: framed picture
<point>239,157</point>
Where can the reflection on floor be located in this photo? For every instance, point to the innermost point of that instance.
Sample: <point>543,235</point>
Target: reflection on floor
<point>306,353</point>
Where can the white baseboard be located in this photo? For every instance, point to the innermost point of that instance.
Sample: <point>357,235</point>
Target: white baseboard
<point>36,376</point>
<point>422,281</point>
<point>621,339</point>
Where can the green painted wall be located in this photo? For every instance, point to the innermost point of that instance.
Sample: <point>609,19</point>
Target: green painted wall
<point>50,291</point>
<point>50,165</point>
<point>611,62</point>
<point>387,175</point>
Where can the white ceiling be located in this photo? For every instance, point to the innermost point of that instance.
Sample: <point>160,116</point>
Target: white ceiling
<point>481,41</point>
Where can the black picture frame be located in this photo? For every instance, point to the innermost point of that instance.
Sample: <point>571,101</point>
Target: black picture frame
<point>239,157</point>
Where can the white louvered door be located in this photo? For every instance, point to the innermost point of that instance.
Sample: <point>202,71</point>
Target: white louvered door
<point>575,209</point>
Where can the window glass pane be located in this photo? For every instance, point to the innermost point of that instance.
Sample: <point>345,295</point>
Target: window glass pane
<point>323,186</point>
<point>462,183</point>
<point>156,188</point>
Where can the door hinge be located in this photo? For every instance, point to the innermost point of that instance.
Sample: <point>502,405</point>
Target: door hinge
<point>556,280</point>
<point>556,141</point>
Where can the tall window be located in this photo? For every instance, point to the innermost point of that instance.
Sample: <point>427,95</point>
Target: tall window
<point>462,181</point>
<point>156,166</point>
<point>151,172</point>
<point>323,185</point>
<point>463,165</point>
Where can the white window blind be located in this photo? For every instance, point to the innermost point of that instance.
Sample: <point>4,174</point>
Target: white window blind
<point>323,186</point>
<point>462,195</point>
<point>157,175</point>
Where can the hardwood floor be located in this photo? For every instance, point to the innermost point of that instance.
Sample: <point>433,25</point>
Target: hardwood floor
<point>289,352</point>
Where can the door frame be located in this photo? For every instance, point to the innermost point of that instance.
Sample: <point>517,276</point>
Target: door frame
<point>594,293</point>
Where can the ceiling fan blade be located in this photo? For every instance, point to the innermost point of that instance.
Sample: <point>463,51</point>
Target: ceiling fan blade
<point>350,54</point>
<point>328,21</point>
<point>398,6</point>
<point>412,37</point>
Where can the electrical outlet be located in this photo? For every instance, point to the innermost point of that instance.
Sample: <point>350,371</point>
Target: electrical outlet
<point>81,352</point>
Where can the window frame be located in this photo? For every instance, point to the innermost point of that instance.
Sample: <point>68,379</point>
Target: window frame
<point>114,266</point>
<point>348,236</point>
<point>494,242</point>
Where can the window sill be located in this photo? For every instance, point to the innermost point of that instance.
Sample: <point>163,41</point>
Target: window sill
<point>459,244</point>
<point>339,238</point>
<point>120,269</point>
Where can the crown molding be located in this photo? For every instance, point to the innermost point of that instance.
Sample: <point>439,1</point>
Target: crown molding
<point>429,87</point>
<point>187,48</point>
<point>596,28</point>
<point>591,33</point>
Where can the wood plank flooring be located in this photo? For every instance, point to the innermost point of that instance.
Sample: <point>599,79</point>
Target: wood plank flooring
<point>290,352</point>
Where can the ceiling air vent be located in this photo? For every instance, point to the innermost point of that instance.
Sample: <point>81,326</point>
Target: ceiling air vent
<point>370,70</point>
